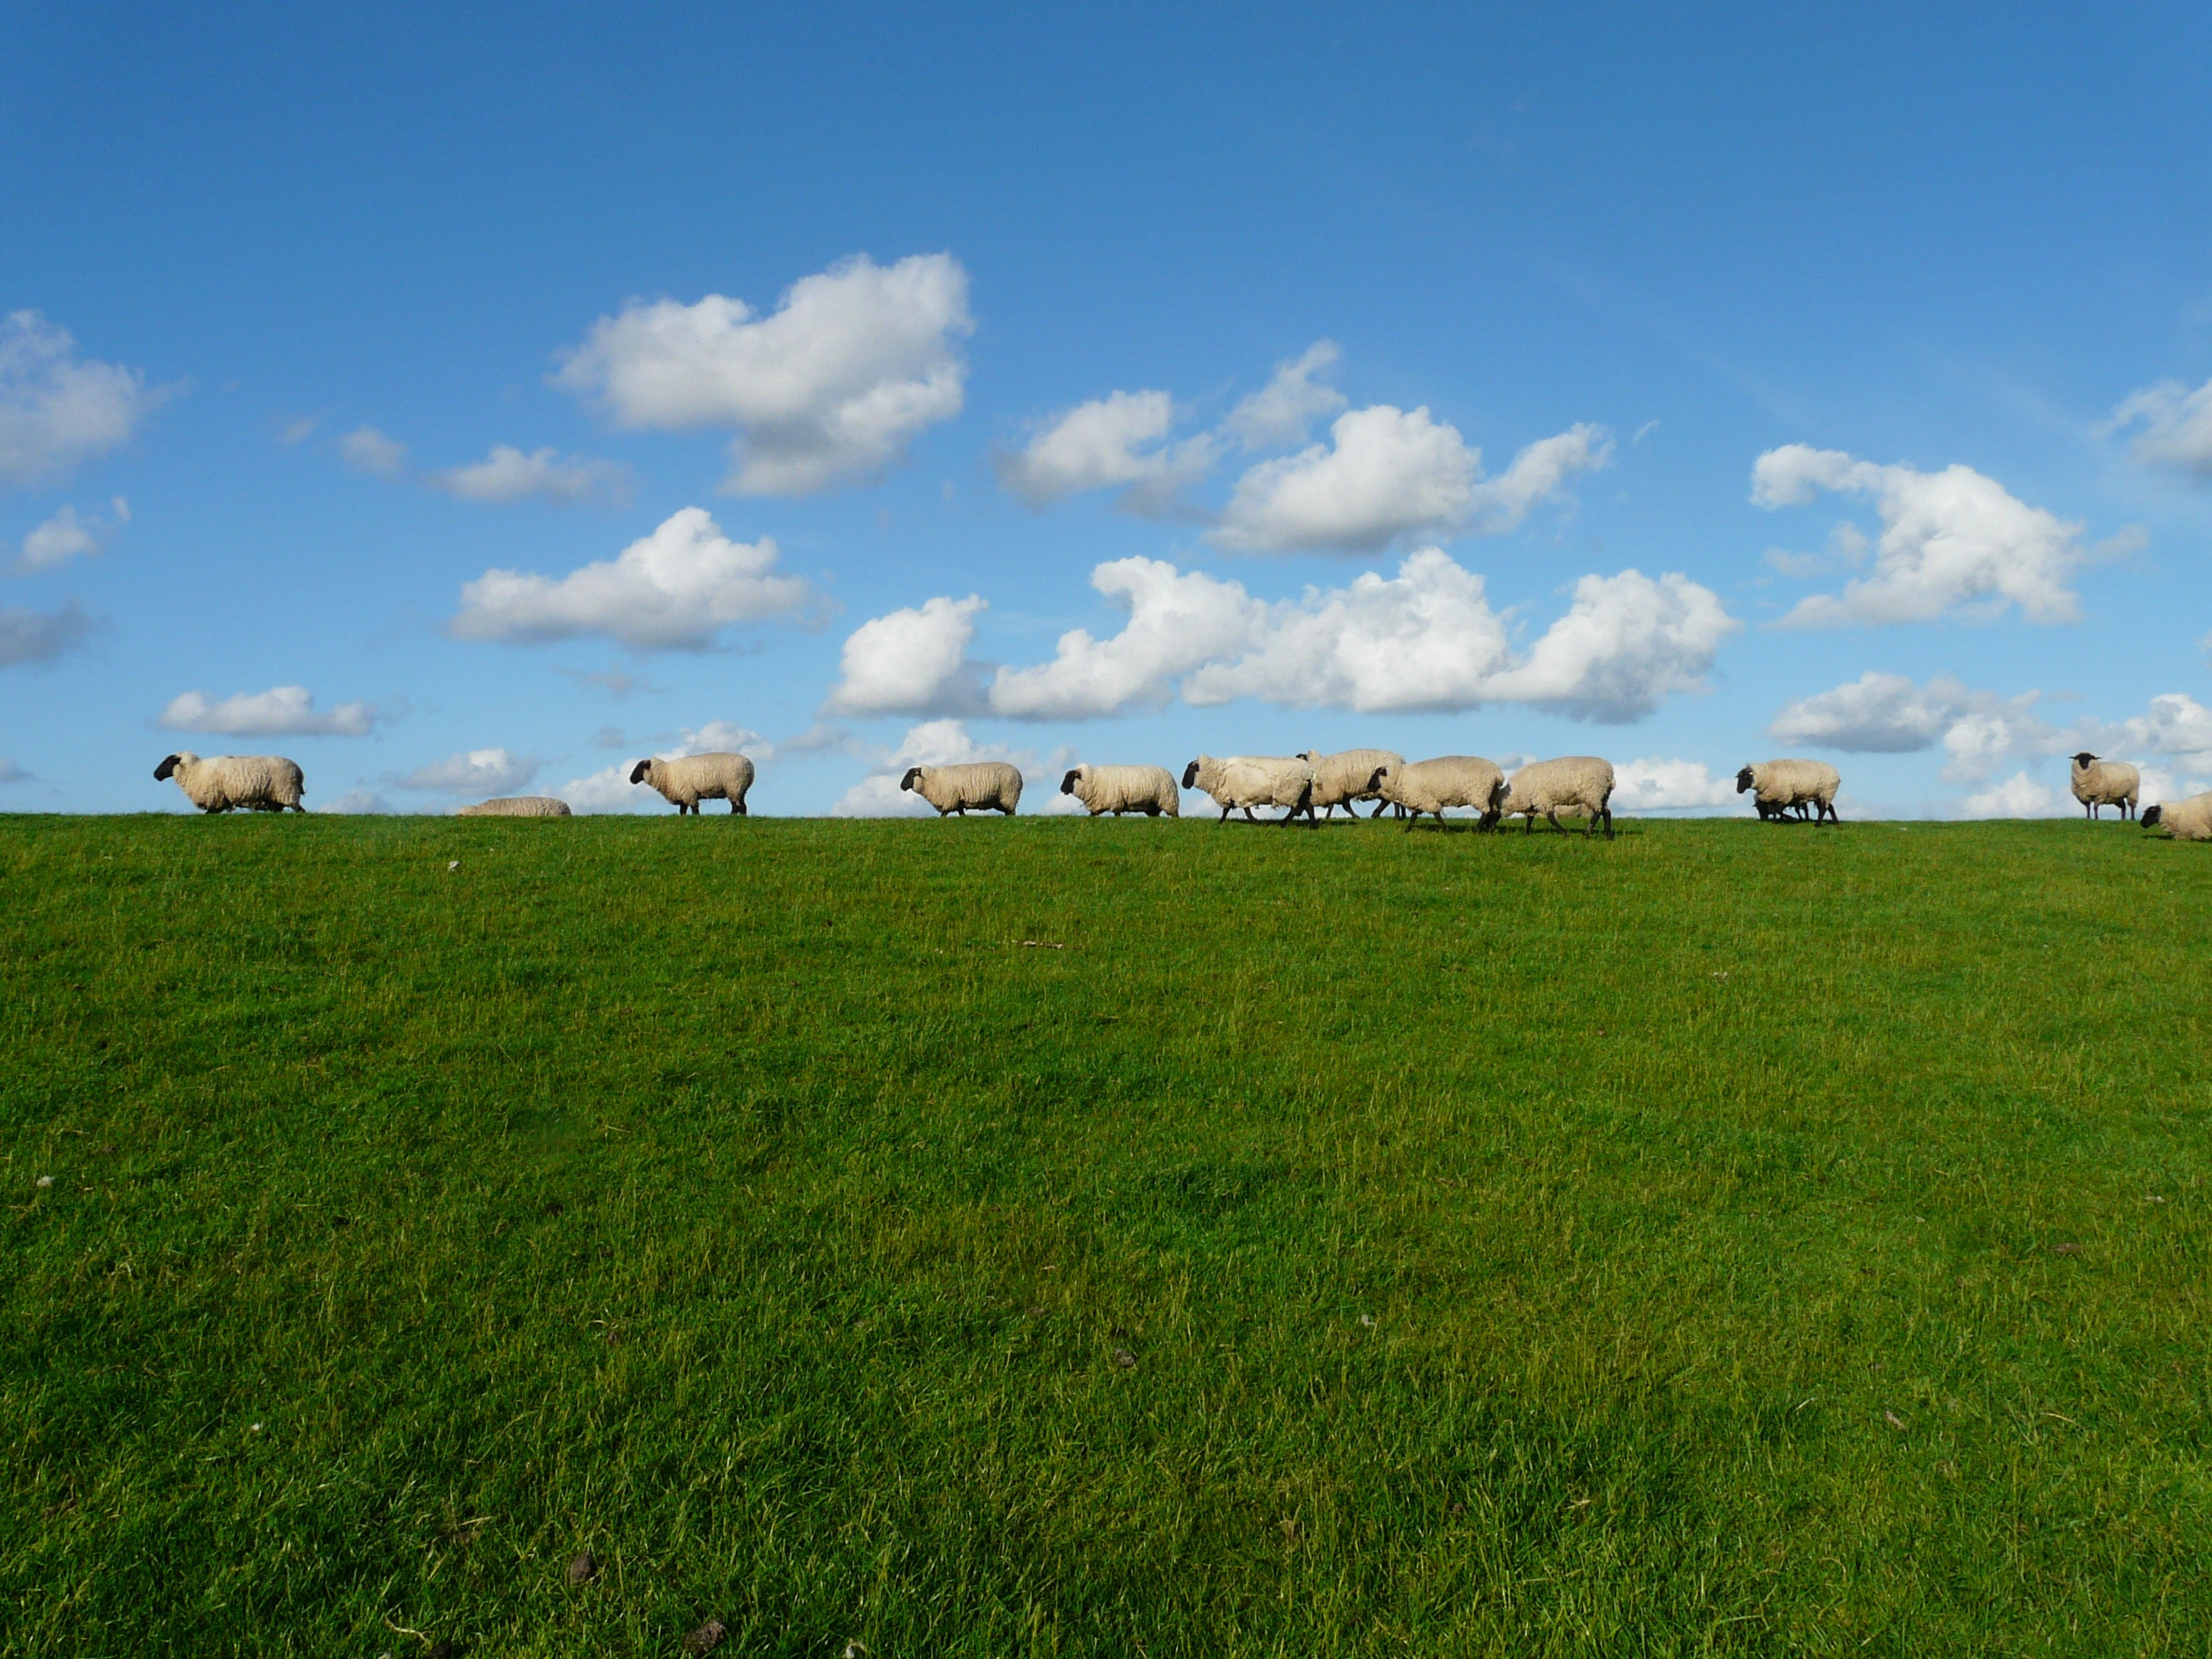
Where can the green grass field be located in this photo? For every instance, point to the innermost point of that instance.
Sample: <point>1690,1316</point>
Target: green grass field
<point>1057,1238</point>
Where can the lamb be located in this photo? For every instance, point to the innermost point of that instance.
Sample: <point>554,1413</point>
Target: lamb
<point>2105,783</point>
<point>517,806</point>
<point>1784,784</point>
<point>258,783</point>
<point>1573,782</point>
<point>1430,786</point>
<point>1250,781</point>
<point>1118,789</point>
<point>1347,776</point>
<point>690,779</point>
<point>979,784</point>
<point>2184,820</point>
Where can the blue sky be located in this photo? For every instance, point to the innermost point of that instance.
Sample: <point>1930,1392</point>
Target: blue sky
<point>1510,383</point>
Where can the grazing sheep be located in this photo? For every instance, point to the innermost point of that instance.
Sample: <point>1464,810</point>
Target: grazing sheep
<point>1118,789</point>
<point>2184,820</point>
<point>980,784</point>
<point>1430,786</point>
<point>1784,784</point>
<point>258,783</point>
<point>1348,776</point>
<point>517,806</point>
<point>2105,783</point>
<point>690,779</point>
<point>1250,781</point>
<point>1571,783</point>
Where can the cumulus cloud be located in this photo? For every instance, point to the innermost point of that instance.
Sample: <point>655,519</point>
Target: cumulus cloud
<point>2177,724</point>
<point>69,536</point>
<point>285,711</point>
<point>369,450</point>
<point>2176,427</point>
<point>1889,715</point>
<point>360,801</point>
<point>29,637</point>
<point>1118,441</point>
<point>2019,796</point>
<point>1953,540</point>
<point>476,772</point>
<point>1654,785</point>
<point>911,661</point>
<point>57,410</point>
<point>509,475</point>
<point>937,743</point>
<point>1281,412</point>
<point>854,363</point>
<point>672,590</point>
<point>1626,643</point>
<point>1177,622</point>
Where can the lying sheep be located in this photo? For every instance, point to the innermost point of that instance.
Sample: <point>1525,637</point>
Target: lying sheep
<point>1118,789</point>
<point>1250,781</point>
<point>517,806</point>
<point>1430,786</point>
<point>1347,776</point>
<point>256,783</point>
<point>980,784</point>
<point>1785,784</point>
<point>2105,783</point>
<point>1573,783</point>
<point>2184,820</point>
<point>690,779</point>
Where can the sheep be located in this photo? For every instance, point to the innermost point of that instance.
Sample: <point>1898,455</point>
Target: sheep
<point>1550,786</point>
<point>1250,781</point>
<point>517,806</point>
<point>1784,784</point>
<point>2184,820</point>
<point>258,783</point>
<point>2105,783</point>
<point>690,779</point>
<point>979,784</point>
<point>1347,776</point>
<point>1118,789</point>
<point>1430,786</point>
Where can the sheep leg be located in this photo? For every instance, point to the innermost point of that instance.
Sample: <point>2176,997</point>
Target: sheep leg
<point>1608,822</point>
<point>1224,818</point>
<point>1553,816</point>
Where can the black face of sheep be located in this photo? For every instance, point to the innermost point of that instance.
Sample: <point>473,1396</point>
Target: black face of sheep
<point>163,772</point>
<point>637,772</point>
<point>1743,781</point>
<point>2151,815</point>
<point>913,775</point>
<point>1068,784</point>
<point>1190,775</point>
<point>1375,778</point>
<point>2083,758</point>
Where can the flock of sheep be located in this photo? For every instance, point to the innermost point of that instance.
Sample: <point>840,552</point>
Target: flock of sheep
<point>1307,782</point>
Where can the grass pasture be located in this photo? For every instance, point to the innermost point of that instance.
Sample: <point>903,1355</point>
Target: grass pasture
<point>1052,1237</point>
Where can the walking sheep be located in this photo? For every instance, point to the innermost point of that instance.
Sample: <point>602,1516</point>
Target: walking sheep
<point>2184,820</point>
<point>981,784</point>
<point>1250,781</point>
<point>258,783</point>
<point>1430,786</point>
<point>517,806</point>
<point>1784,784</point>
<point>1572,783</point>
<point>690,779</point>
<point>1347,776</point>
<point>2105,783</point>
<point>1118,789</point>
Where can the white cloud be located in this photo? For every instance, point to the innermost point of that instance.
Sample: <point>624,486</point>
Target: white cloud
<point>366,450</point>
<point>2019,796</point>
<point>1388,473</point>
<point>11,773</point>
<point>911,662</point>
<point>478,772</point>
<point>1651,785</point>
<point>293,433</point>
<point>28,636</point>
<point>57,410</point>
<point>1888,714</point>
<point>854,363</point>
<point>1177,622</point>
<point>1116,441</point>
<point>67,535</point>
<point>354,801</point>
<point>286,711</point>
<point>672,590</point>
<point>1951,540</point>
<point>2177,426</point>
<point>937,743</point>
<point>2177,725</point>
<point>1280,413</point>
<point>608,790</point>
<point>509,475</point>
<point>1627,642</point>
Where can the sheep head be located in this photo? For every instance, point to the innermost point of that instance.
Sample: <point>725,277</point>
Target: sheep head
<point>640,772</point>
<point>913,776</point>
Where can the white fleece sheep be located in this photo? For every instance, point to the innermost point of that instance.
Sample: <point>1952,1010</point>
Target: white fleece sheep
<point>1785,784</point>
<point>1250,781</point>
<point>2105,783</point>
<point>1430,786</point>
<point>2184,820</point>
<point>258,783</point>
<point>690,779</point>
<point>984,785</point>
<point>1348,776</point>
<point>1118,789</point>
<point>517,806</point>
<point>1572,783</point>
